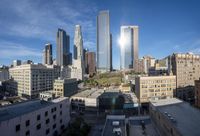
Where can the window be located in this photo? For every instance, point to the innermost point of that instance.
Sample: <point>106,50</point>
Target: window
<point>47,121</point>
<point>17,127</point>
<point>60,120</point>
<point>54,126</point>
<point>60,105</point>
<point>60,112</point>
<point>47,131</point>
<point>46,113</point>
<point>27,122</point>
<point>38,117</point>
<point>38,126</point>
<point>28,133</point>
<point>52,110</point>
<point>62,127</point>
<point>54,116</point>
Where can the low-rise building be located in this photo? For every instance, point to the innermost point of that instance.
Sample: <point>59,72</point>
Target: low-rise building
<point>173,117</point>
<point>154,87</point>
<point>35,118</point>
<point>65,87</point>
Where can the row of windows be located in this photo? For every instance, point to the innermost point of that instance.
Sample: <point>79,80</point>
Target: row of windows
<point>38,127</point>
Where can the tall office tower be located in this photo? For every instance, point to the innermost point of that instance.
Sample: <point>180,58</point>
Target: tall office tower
<point>111,66</point>
<point>186,67</point>
<point>63,55</point>
<point>128,47</point>
<point>16,63</point>
<point>103,42</point>
<point>90,63</point>
<point>78,51</point>
<point>47,54</point>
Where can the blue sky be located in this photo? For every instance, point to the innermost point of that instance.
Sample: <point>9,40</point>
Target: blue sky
<point>165,26</point>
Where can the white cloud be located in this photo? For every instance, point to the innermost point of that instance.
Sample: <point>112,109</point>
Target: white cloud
<point>12,50</point>
<point>40,19</point>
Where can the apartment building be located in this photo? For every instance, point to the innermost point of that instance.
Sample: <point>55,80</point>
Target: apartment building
<point>31,79</point>
<point>186,67</point>
<point>154,87</point>
<point>35,118</point>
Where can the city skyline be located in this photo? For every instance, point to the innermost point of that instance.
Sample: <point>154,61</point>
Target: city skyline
<point>165,27</point>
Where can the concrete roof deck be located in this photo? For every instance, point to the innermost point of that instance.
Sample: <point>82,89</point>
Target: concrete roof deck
<point>135,128</point>
<point>108,128</point>
<point>187,118</point>
<point>18,109</point>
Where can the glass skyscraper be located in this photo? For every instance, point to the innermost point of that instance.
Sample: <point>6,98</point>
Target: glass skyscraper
<point>63,55</point>
<point>103,42</point>
<point>129,47</point>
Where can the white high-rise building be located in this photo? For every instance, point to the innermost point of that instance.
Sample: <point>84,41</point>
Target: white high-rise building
<point>78,52</point>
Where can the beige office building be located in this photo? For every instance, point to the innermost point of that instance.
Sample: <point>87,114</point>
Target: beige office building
<point>186,67</point>
<point>154,87</point>
<point>31,79</point>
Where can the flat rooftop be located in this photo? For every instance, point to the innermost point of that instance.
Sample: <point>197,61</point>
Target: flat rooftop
<point>187,118</point>
<point>18,109</point>
<point>135,128</point>
<point>108,128</point>
<point>90,93</point>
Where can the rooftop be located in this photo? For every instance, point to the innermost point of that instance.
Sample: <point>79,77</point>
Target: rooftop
<point>108,128</point>
<point>135,126</point>
<point>187,118</point>
<point>90,93</point>
<point>14,110</point>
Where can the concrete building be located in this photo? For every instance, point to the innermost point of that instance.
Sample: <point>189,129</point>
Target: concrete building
<point>155,87</point>
<point>28,62</point>
<point>63,55</point>
<point>115,125</point>
<point>31,79</point>
<point>128,47</point>
<point>71,72</point>
<point>47,54</point>
<point>90,63</point>
<point>173,117</point>
<point>35,118</point>
<point>47,95</point>
<point>158,70</point>
<point>149,62</point>
<point>197,93</point>
<point>65,87</point>
<point>103,42</point>
<point>4,74</point>
<point>78,51</point>
<point>186,67</point>
<point>16,63</point>
<point>140,66</point>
